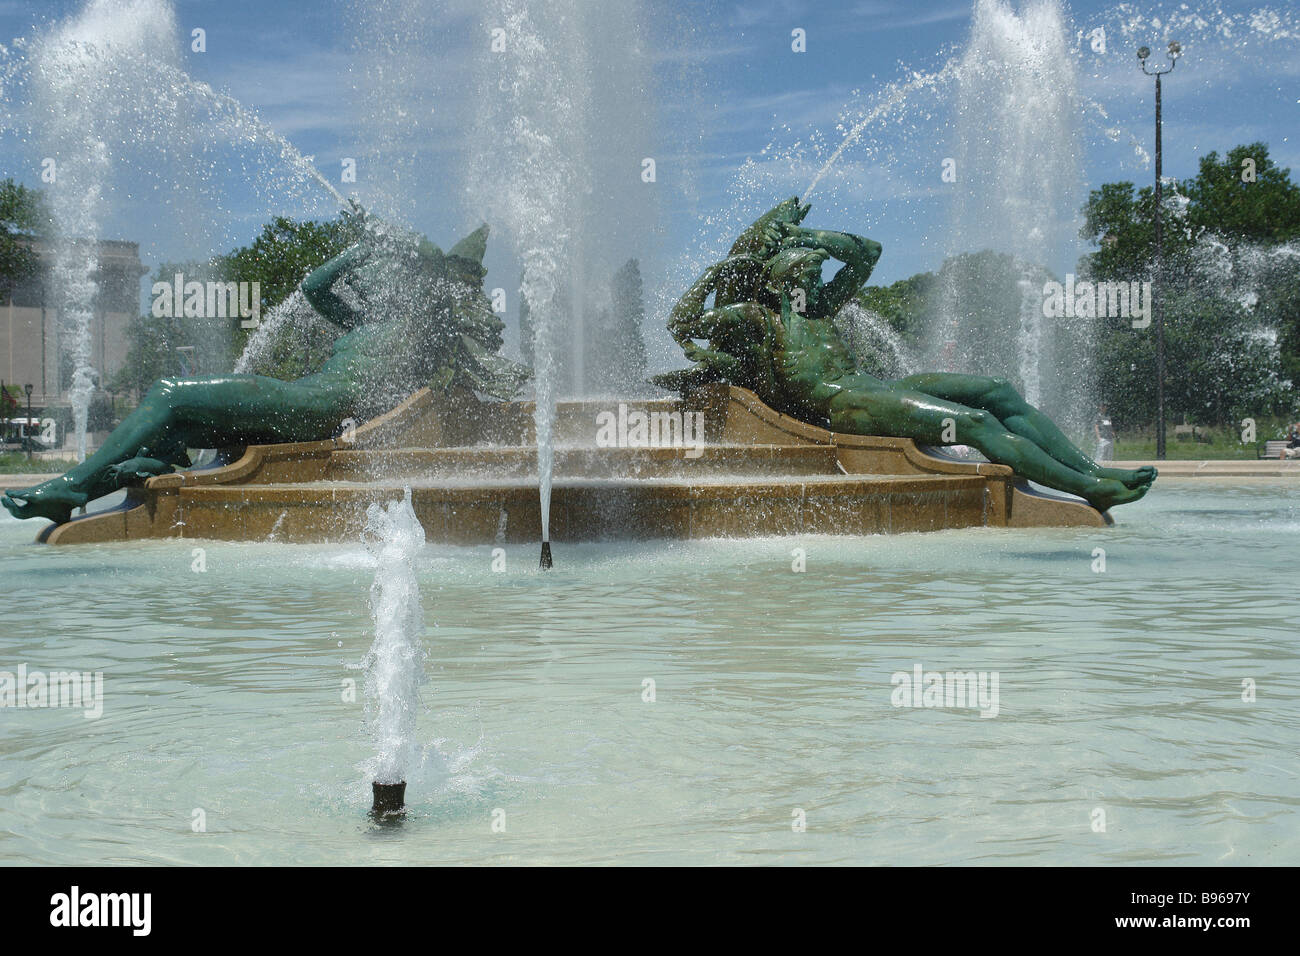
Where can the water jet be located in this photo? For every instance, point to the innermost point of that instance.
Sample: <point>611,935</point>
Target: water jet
<point>395,662</point>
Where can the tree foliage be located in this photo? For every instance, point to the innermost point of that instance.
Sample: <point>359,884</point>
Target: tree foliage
<point>23,217</point>
<point>617,352</point>
<point>1229,287</point>
<point>278,259</point>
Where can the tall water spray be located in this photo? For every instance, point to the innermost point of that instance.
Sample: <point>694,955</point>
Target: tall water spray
<point>77,95</point>
<point>531,163</point>
<point>540,122</point>
<point>395,663</point>
<point>395,103</point>
<point>1016,146</point>
<point>105,106</point>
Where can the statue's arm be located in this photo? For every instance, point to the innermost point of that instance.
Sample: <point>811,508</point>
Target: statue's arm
<point>318,287</point>
<point>684,320</point>
<point>859,256</point>
<point>690,306</point>
<point>741,321</point>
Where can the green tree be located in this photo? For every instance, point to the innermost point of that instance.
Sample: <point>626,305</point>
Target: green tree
<point>1244,196</point>
<point>283,255</point>
<point>23,217</point>
<point>151,353</point>
<point>278,259</point>
<point>1228,281</point>
<point>1279,308</point>
<point>1264,208</point>
<point>904,304</point>
<point>210,344</point>
<point>285,252</point>
<point>621,357</point>
<point>1219,366</point>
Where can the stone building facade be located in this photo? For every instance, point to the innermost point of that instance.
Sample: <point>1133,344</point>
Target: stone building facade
<point>31,334</point>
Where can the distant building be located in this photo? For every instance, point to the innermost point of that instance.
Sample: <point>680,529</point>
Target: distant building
<point>30,350</point>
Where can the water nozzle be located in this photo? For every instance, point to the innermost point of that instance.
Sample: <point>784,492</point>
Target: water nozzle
<point>390,800</point>
<point>546,556</point>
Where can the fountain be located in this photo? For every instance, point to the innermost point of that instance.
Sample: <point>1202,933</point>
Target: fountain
<point>874,340</point>
<point>539,123</point>
<point>525,184</point>
<point>395,663</point>
<point>230,707</point>
<point>1017,148</point>
<point>760,459</point>
<point>1005,116</point>
<point>76,94</point>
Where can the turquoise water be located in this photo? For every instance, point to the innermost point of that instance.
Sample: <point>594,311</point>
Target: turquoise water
<point>1119,694</point>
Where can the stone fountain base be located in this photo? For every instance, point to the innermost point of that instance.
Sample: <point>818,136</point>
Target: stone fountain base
<point>472,471</point>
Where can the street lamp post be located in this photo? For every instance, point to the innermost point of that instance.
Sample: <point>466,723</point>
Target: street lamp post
<point>28,390</point>
<point>1175,51</point>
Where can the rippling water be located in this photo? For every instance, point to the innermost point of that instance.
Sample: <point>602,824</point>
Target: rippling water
<point>1120,692</point>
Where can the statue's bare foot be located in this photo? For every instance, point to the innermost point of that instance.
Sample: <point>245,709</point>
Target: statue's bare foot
<point>53,499</point>
<point>1130,477</point>
<point>1111,492</point>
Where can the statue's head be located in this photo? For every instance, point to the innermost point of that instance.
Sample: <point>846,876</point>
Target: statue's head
<point>791,210</point>
<point>756,240</point>
<point>794,268</point>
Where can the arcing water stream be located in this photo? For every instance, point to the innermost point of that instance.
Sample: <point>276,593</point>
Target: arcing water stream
<point>1006,118</point>
<point>102,94</point>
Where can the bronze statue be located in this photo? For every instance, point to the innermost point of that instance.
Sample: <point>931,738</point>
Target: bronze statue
<point>413,317</point>
<point>770,329</point>
<point>410,317</point>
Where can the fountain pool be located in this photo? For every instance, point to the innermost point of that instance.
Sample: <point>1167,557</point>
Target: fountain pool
<point>1119,691</point>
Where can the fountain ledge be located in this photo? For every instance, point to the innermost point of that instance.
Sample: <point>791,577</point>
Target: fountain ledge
<point>761,473</point>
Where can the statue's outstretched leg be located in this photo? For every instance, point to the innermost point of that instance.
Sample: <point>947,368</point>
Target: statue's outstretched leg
<point>894,410</point>
<point>194,413</point>
<point>1008,406</point>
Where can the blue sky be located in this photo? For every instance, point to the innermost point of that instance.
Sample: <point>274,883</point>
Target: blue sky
<point>718,86</point>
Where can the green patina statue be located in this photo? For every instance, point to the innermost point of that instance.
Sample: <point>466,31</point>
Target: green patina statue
<point>770,329</point>
<point>410,315</point>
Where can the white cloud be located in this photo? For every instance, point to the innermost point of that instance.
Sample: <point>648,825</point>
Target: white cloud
<point>883,15</point>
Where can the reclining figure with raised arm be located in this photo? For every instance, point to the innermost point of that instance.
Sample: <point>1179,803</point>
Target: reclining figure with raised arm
<point>770,329</point>
<point>410,317</point>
